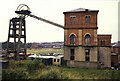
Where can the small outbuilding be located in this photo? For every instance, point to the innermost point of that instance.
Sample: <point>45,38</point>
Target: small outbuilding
<point>49,59</point>
<point>114,60</point>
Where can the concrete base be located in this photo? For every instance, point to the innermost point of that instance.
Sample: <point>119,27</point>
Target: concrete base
<point>82,64</point>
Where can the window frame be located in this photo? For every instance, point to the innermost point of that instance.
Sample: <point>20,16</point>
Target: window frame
<point>114,50</point>
<point>72,54</point>
<point>87,40</point>
<point>72,39</point>
<point>102,42</point>
<point>87,19</point>
<point>87,55</point>
<point>72,51</point>
<point>72,20</point>
<point>54,60</point>
<point>72,58</point>
<point>58,60</point>
<point>87,59</point>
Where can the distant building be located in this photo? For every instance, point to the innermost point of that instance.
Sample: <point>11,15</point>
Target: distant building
<point>114,60</point>
<point>34,46</point>
<point>83,47</point>
<point>56,45</point>
<point>115,52</point>
<point>116,48</point>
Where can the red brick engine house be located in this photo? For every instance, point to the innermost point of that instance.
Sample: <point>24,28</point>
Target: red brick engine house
<point>83,47</point>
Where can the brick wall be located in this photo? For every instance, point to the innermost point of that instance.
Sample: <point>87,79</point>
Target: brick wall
<point>80,25</point>
<point>80,20</point>
<point>106,38</point>
<point>114,60</point>
<point>116,50</point>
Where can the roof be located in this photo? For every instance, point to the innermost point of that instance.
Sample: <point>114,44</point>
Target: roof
<point>80,10</point>
<point>46,57</point>
<point>116,45</point>
<point>104,35</point>
<point>113,54</point>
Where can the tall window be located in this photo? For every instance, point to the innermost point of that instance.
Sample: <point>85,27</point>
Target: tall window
<point>87,40</point>
<point>87,54</point>
<point>72,39</point>
<point>87,19</point>
<point>72,20</point>
<point>102,42</point>
<point>72,52</point>
<point>114,50</point>
<point>79,20</point>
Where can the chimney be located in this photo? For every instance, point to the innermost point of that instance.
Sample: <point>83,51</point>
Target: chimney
<point>86,9</point>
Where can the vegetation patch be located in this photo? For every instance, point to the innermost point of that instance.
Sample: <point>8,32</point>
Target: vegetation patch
<point>45,51</point>
<point>51,73</point>
<point>34,65</point>
<point>28,69</point>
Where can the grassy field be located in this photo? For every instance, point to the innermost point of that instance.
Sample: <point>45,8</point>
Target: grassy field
<point>28,69</point>
<point>45,51</point>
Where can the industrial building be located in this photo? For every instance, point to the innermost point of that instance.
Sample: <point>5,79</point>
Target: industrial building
<point>83,47</point>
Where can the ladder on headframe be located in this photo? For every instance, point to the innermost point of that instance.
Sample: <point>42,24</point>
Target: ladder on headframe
<point>17,32</point>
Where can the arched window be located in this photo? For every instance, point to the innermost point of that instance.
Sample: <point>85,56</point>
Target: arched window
<point>72,39</point>
<point>87,40</point>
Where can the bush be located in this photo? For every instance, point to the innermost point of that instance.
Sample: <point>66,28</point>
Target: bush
<point>18,64</point>
<point>34,65</point>
<point>14,74</point>
<point>52,73</point>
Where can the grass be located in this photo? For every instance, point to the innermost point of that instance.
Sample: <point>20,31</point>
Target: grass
<point>45,51</point>
<point>81,73</point>
<point>19,69</point>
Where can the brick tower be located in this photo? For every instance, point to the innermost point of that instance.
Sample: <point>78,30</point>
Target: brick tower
<point>80,38</point>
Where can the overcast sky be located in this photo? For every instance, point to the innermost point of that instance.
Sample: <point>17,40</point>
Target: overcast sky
<point>38,31</point>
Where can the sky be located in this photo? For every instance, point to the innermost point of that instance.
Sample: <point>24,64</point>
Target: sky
<point>38,31</point>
